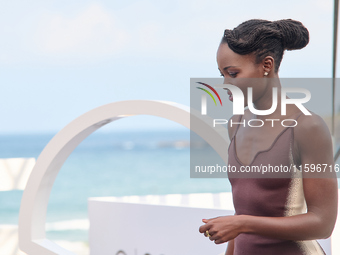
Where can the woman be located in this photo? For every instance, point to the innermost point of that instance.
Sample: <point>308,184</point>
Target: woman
<point>281,215</point>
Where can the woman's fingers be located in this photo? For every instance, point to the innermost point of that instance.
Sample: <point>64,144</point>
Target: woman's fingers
<point>203,228</point>
<point>213,236</point>
<point>219,241</point>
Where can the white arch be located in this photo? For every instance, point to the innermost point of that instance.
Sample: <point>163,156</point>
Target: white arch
<point>32,217</point>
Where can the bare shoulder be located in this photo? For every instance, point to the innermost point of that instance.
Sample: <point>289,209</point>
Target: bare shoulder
<point>232,128</point>
<point>312,125</point>
<point>312,132</point>
<point>236,118</point>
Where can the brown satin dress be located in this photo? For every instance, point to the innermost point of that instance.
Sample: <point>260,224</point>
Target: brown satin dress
<point>269,197</point>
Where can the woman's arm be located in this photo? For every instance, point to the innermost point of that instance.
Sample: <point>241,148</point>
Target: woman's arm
<point>230,248</point>
<point>320,189</point>
<point>315,147</point>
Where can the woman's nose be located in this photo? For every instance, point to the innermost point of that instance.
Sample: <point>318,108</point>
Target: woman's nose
<point>228,81</point>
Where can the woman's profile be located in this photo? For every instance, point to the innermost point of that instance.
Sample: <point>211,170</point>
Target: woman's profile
<point>278,216</point>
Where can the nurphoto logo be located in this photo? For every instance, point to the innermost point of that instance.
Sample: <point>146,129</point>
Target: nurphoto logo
<point>238,103</point>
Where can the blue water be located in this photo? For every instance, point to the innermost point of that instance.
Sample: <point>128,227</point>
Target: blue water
<point>107,164</point>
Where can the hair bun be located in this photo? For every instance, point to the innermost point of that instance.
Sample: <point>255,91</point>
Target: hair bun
<point>294,34</point>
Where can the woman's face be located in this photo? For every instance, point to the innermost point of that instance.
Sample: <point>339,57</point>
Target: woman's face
<point>233,65</point>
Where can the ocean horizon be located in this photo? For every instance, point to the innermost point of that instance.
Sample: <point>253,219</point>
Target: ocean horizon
<point>117,163</point>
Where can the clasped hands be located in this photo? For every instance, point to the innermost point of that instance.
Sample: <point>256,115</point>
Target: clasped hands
<point>222,229</point>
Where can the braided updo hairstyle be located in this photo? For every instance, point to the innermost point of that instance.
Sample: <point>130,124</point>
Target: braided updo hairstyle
<point>266,38</point>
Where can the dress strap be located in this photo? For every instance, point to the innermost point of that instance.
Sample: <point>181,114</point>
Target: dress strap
<point>239,120</point>
<point>299,115</point>
<point>292,142</point>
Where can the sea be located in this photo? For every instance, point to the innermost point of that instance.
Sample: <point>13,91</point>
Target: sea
<point>116,163</point>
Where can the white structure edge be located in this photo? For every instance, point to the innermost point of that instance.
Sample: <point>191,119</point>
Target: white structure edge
<point>32,217</point>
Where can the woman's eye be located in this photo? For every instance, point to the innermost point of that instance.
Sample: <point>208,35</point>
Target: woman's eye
<point>233,75</point>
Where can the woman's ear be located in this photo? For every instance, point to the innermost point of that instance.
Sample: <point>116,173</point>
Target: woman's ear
<point>268,64</point>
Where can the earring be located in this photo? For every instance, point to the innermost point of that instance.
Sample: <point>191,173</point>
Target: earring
<point>265,73</point>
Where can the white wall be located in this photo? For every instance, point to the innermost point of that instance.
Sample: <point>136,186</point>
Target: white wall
<point>163,225</point>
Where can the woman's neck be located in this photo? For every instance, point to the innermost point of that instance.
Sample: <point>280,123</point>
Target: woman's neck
<point>265,102</point>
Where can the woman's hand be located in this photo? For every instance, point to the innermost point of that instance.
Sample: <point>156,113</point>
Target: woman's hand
<point>222,229</point>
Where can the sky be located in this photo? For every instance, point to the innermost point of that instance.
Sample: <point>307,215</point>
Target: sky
<point>60,59</point>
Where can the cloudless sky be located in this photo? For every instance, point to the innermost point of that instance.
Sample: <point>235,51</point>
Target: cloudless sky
<point>60,59</point>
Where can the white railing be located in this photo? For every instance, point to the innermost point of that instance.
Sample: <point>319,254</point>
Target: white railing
<point>14,173</point>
